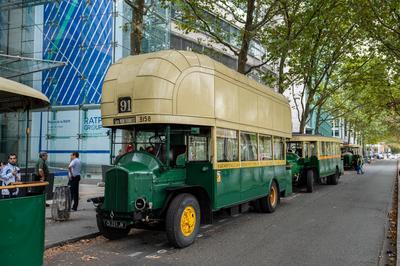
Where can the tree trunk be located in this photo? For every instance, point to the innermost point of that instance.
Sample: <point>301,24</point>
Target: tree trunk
<point>282,60</point>
<point>304,117</point>
<point>242,57</point>
<point>137,27</point>
<point>318,120</point>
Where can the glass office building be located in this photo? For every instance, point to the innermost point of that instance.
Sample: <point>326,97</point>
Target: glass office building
<point>64,48</point>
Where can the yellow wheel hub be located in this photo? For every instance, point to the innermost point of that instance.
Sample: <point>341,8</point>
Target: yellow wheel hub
<point>273,196</point>
<point>188,221</point>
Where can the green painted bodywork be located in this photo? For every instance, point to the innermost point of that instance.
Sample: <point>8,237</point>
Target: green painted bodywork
<point>22,223</point>
<point>323,168</point>
<point>132,179</point>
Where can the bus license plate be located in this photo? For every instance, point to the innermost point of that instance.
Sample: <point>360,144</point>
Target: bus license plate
<point>115,224</point>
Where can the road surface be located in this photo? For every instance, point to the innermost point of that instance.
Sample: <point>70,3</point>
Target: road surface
<point>335,225</point>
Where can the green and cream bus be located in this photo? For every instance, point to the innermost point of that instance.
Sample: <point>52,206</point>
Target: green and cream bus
<point>314,159</point>
<point>200,138</point>
<point>350,155</point>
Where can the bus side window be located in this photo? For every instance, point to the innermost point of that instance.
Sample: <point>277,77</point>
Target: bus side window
<point>278,148</point>
<point>313,148</point>
<point>198,146</point>
<point>265,147</point>
<point>227,145</point>
<point>248,146</point>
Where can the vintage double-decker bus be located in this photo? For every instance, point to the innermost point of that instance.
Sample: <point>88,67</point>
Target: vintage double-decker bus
<point>314,159</point>
<point>199,138</point>
<point>350,155</point>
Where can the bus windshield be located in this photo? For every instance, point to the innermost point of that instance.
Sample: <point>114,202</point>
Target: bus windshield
<point>151,140</point>
<point>192,142</point>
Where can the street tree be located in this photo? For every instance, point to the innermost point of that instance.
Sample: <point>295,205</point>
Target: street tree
<point>139,9</point>
<point>317,54</point>
<point>249,18</point>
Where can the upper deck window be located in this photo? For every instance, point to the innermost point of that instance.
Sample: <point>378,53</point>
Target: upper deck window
<point>248,146</point>
<point>227,145</point>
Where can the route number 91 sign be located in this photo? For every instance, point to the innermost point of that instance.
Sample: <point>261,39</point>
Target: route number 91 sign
<point>124,104</point>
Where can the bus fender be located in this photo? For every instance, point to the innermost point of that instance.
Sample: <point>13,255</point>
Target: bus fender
<point>197,191</point>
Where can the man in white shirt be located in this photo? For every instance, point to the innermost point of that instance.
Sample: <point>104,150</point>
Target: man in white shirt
<point>74,172</point>
<point>10,173</point>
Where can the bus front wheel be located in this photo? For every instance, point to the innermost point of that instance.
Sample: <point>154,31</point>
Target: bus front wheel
<point>310,181</point>
<point>183,220</point>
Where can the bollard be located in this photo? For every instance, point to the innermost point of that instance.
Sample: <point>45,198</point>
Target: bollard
<point>61,206</point>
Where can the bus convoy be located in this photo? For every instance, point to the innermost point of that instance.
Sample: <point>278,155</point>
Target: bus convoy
<point>201,138</point>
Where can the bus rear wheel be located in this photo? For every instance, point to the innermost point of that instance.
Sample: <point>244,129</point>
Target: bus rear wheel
<point>109,232</point>
<point>310,181</point>
<point>334,179</point>
<point>183,220</point>
<point>269,203</point>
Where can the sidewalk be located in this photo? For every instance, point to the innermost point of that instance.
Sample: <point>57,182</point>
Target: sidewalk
<point>81,222</point>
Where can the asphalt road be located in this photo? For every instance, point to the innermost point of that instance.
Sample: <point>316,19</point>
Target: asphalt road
<point>335,225</point>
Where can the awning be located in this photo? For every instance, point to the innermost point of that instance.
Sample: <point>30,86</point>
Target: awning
<point>15,96</point>
<point>12,66</point>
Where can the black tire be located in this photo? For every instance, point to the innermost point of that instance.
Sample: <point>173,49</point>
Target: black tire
<point>179,204</point>
<point>310,181</point>
<point>334,179</point>
<point>269,203</point>
<point>109,232</point>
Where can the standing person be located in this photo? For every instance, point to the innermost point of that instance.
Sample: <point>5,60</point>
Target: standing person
<point>41,171</point>
<point>359,165</point>
<point>74,170</point>
<point>10,173</point>
<point>41,168</point>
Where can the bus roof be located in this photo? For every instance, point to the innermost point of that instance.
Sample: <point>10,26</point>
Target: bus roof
<point>304,137</point>
<point>14,96</point>
<point>182,87</point>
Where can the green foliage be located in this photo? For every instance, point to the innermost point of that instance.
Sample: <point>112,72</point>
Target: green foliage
<point>214,18</point>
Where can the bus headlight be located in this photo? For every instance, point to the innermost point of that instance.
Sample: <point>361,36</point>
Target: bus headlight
<point>140,203</point>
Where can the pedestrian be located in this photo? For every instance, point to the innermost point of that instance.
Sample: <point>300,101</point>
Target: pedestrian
<point>10,173</point>
<point>41,168</point>
<point>359,165</point>
<point>74,173</point>
<point>41,172</point>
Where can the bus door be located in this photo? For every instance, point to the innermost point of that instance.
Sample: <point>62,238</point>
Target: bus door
<point>199,169</point>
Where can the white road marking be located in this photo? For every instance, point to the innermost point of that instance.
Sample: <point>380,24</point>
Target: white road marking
<point>206,226</point>
<point>161,251</point>
<point>293,196</point>
<point>135,254</point>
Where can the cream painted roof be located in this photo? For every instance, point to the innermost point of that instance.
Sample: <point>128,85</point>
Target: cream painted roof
<point>183,87</point>
<point>302,137</point>
<point>14,96</point>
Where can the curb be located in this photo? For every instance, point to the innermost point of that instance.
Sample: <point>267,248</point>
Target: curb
<point>72,240</point>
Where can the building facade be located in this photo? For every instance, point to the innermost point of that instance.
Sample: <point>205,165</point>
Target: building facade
<point>75,42</point>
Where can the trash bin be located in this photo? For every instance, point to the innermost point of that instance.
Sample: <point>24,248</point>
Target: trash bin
<point>22,223</point>
<point>61,206</point>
